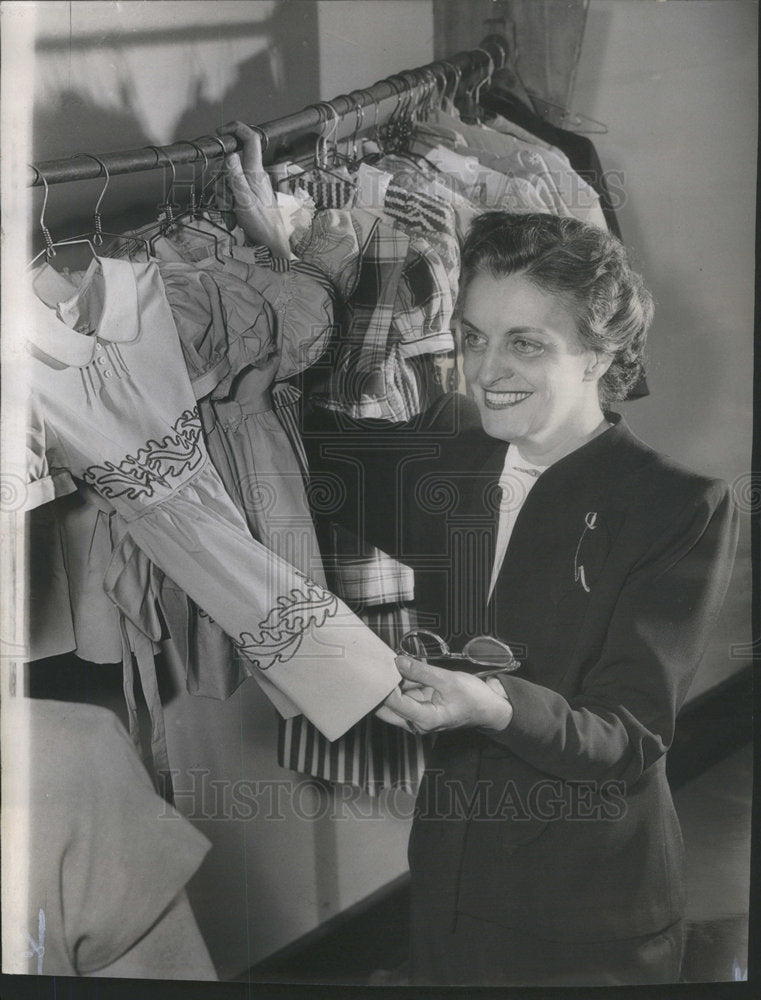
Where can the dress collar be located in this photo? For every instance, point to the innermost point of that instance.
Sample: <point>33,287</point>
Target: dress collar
<point>60,303</point>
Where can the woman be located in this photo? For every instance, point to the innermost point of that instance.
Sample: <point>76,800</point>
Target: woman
<point>545,847</point>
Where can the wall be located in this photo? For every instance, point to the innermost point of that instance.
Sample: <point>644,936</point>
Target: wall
<point>121,75</point>
<point>116,75</point>
<point>363,42</point>
<point>676,83</point>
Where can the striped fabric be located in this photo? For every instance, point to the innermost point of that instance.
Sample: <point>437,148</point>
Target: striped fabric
<point>326,191</point>
<point>433,218</point>
<point>371,755</point>
<point>427,211</point>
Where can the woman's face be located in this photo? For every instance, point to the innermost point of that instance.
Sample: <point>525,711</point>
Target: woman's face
<point>532,380</point>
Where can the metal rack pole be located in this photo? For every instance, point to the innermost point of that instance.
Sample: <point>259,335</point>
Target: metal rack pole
<point>277,132</point>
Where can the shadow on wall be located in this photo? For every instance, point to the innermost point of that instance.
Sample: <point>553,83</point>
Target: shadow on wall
<point>99,92</point>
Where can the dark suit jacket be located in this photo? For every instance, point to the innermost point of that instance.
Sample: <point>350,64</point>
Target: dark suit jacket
<point>562,825</point>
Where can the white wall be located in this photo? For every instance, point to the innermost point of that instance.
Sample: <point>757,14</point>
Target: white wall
<point>363,42</point>
<point>676,84</point>
<point>118,75</point>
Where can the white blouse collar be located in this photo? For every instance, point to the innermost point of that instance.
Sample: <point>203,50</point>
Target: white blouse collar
<point>57,299</point>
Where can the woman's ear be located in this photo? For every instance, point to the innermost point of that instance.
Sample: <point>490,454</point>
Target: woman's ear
<point>598,364</point>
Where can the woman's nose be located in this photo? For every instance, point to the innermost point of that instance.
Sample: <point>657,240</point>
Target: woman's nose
<point>494,365</point>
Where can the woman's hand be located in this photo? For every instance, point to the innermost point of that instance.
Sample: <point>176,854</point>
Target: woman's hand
<point>433,699</point>
<point>255,203</point>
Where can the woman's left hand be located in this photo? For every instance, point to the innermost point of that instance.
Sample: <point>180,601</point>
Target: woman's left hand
<point>447,699</point>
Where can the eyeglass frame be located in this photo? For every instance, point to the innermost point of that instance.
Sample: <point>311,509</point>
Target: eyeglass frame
<point>446,653</point>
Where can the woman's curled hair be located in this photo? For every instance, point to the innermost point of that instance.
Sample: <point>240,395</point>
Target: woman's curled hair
<point>588,266</point>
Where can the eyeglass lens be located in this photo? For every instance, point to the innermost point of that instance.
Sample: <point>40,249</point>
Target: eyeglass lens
<point>487,651</point>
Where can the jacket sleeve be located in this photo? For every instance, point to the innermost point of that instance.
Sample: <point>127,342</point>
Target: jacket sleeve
<point>623,719</point>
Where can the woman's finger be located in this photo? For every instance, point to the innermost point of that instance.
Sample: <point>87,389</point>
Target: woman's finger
<point>424,674</point>
<point>386,714</point>
<point>251,152</point>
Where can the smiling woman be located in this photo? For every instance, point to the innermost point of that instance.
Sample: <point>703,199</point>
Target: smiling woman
<point>553,326</point>
<point>603,566</point>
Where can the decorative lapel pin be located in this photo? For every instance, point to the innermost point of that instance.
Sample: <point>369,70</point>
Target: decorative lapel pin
<point>590,523</point>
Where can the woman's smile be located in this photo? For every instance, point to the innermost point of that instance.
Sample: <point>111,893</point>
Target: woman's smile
<point>533,381</point>
<point>502,399</point>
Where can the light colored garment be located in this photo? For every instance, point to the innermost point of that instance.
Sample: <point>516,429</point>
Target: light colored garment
<point>105,856</point>
<point>515,483</point>
<point>570,192</point>
<point>69,549</point>
<point>443,127</point>
<point>501,124</point>
<point>487,187</point>
<point>112,406</point>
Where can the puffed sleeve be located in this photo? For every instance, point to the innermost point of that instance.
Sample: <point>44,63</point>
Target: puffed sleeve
<point>623,719</point>
<point>333,243</point>
<point>302,300</point>
<point>47,475</point>
<point>224,325</point>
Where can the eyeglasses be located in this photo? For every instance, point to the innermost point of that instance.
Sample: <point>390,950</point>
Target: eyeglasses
<point>484,651</point>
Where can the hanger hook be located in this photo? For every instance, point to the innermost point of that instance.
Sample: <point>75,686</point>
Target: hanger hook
<point>474,91</point>
<point>168,203</point>
<point>371,100</point>
<point>336,120</point>
<point>440,81</point>
<point>324,137</point>
<point>218,140</point>
<point>220,143</point>
<point>359,111</point>
<point>457,78</point>
<point>98,222</point>
<point>49,248</point>
<point>197,148</point>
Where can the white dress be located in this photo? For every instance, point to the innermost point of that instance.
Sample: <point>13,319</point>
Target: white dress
<point>111,404</point>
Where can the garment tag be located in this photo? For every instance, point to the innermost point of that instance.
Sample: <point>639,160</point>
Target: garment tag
<point>372,185</point>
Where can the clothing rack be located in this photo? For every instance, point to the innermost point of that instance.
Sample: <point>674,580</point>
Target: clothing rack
<point>278,133</point>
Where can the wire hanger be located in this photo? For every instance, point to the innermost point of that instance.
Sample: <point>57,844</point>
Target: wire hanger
<point>204,200</point>
<point>98,231</point>
<point>197,209</point>
<point>50,244</point>
<point>572,120</point>
<point>394,136</point>
<point>485,80</point>
<point>323,154</point>
<point>449,99</point>
<point>172,220</point>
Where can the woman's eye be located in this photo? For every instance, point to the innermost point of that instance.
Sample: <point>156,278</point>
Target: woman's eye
<point>526,346</point>
<point>472,340</point>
